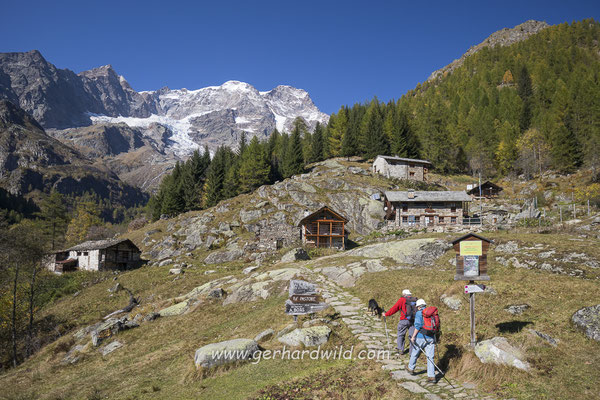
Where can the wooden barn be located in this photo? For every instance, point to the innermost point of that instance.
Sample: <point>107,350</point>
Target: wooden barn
<point>421,209</point>
<point>401,168</point>
<point>485,190</point>
<point>96,255</point>
<point>324,228</point>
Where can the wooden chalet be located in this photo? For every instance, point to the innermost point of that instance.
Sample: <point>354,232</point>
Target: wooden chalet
<point>485,190</point>
<point>324,228</point>
<point>96,255</point>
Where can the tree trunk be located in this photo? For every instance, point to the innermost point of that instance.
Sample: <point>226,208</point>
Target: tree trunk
<point>14,315</point>
<point>31,303</point>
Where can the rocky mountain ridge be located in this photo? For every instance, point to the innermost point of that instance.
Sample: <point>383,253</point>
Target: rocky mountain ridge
<point>503,37</point>
<point>215,115</point>
<point>31,161</point>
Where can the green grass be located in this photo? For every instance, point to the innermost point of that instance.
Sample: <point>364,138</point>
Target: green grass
<point>568,371</point>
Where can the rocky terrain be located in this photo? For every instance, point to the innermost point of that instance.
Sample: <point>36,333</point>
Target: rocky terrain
<point>504,37</point>
<point>31,161</point>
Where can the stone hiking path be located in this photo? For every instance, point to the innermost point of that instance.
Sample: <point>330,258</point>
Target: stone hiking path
<point>370,331</point>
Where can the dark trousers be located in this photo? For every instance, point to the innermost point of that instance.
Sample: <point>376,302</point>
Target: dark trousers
<point>404,326</point>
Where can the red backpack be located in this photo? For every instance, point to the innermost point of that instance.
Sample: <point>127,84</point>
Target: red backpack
<point>431,321</point>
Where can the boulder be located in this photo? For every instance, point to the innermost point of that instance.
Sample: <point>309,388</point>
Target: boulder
<point>264,336</point>
<point>165,262</point>
<point>109,348</point>
<point>517,309</point>
<point>295,255</point>
<point>588,320</point>
<point>151,316</point>
<point>177,309</point>
<point>73,355</point>
<point>223,256</point>
<point>452,302</point>
<point>310,337</point>
<point>498,351</point>
<point>105,330</point>
<point>287,329</point>
<point>421,252</point>
<point>175,271</point>
<point>216,293</point>
<point>248,270</point>
<point>229,351</point>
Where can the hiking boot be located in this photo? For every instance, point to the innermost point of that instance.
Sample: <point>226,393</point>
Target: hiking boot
<point>431,380</point>
<point>410,371</point>
<point>404,352</point>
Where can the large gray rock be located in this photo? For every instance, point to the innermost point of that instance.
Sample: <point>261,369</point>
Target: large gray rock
<point>223,256</point>
<point>264,336</point>
<point>517,309</point>
<point>452,302</point>
<point>229,351</point>
<point>421,252</point>
<point>109,348</point>
<point>105,330</point>
<point>498,351</point>
<point>295,255</point>
<point>310,337</point>
<point>588,320</point>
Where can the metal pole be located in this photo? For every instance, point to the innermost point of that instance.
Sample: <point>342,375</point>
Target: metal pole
<point>472,312</point>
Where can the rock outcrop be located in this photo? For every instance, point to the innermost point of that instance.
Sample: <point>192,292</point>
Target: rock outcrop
<point>309,337</point>
<point>230,351</point>
<point>498,351</point>
<point>588,320</point>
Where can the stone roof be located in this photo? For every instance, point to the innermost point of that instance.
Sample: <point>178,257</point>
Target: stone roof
<point>409,160</point>
<point>98,244</point>
<point>421,196</point>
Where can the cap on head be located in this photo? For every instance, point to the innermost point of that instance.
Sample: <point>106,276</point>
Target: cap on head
<point>421,303</point>
<point>406,292</point>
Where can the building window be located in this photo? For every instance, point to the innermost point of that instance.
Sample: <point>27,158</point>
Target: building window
<point>453,208</point>
<point>417,219</point>
<point>412,174</point>
<point>405,219</point>
<point>453,220</point>
<point>85,253</point>
<point>441,220</point>
<point>404,207</point>
<point>78,254</point>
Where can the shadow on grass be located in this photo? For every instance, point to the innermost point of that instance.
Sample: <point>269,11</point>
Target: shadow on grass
<point>451,352</point>
<point>512,326</point>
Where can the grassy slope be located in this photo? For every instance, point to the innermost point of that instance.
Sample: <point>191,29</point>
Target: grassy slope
<point>568,371</point>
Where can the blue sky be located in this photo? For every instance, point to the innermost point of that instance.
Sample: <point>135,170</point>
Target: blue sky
<point>341,52</point>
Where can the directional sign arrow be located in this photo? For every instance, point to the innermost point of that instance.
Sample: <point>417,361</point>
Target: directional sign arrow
<point>474,288</point>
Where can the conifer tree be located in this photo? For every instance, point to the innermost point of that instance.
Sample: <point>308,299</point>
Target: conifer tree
<point>373,140</point>
<point>317,144</point>
<point>338,126</point>
<point>53,212</point>
<point>215,176</point>
<point>293,162</point>
<point>254,167</point>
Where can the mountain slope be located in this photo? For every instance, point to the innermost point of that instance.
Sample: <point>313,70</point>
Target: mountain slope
<point>504,37</point>
<point>33,162</point>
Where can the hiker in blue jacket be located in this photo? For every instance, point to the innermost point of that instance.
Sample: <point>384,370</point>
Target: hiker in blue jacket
<point>421,342</point>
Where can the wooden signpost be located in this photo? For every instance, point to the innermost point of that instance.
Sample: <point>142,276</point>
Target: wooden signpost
<point>304,299</point>
<point>471,265</point>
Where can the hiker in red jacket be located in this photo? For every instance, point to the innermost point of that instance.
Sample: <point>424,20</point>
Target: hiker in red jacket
<point>407,307</point>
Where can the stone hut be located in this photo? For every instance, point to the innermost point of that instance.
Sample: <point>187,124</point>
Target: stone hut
<point>401,168</point>
<point>96,255</point>
<point>324,228</point>
<point>425,208</point>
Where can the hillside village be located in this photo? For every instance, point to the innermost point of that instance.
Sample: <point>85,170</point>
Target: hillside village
<point>240,256</point>
<point>135,266</point>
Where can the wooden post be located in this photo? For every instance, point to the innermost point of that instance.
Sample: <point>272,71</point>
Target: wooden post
<point>472,315</point>
<point>588,207</point>
<point>560,208</point>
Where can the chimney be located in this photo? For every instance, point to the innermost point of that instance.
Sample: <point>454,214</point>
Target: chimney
<point>411,193</point>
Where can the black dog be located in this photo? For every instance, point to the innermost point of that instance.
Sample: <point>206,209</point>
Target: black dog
<point>375,309</point>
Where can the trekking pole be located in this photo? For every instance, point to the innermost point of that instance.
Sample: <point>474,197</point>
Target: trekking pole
<point>436,367</point>
<point>386,333</point>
